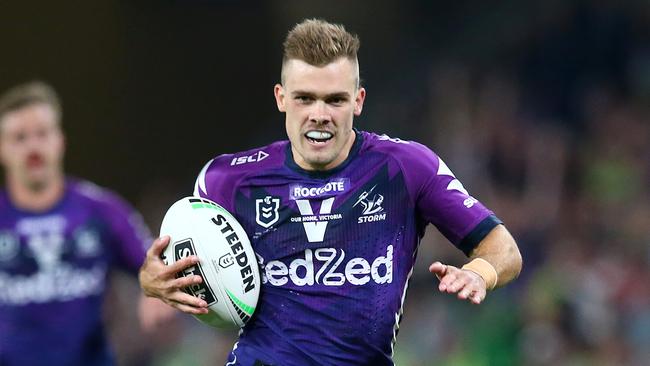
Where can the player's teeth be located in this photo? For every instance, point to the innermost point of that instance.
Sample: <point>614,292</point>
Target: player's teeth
<point>319,135</point>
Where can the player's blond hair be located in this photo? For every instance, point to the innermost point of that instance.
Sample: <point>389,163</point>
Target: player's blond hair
<point>23,95</point>
<point>319,43</point>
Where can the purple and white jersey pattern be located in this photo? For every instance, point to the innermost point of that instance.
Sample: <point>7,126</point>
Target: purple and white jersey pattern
<point>336,248</point>
<point>53,275</point>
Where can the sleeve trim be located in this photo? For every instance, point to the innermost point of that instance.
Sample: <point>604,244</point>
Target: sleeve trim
<point>471,240</point>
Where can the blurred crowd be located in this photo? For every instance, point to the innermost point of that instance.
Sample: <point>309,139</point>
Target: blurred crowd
<point>558,148</point>
<point>552,135</point>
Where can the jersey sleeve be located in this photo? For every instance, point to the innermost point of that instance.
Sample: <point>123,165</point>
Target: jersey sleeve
<point>129,235</point>
<point>214,182</point>
<point>442,200</point>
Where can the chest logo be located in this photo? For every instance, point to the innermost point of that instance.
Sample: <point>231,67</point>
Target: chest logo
<point>45,239</point>
<point>315,225</point>
<point>371,203</point>
<point>9,247</point>
<point>267,211</point>
<point>332,188</point>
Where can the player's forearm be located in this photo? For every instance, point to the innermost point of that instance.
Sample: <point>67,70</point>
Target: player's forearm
<point>500,250</point>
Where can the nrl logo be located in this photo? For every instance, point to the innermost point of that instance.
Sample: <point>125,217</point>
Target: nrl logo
<point>267,211</point>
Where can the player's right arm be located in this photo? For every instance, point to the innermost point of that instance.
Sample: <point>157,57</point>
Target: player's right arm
<point>159,280</point>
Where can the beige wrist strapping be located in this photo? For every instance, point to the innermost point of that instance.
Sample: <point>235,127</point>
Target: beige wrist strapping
<point>484,269</point>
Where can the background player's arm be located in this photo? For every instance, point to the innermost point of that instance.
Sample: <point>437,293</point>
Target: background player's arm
<point>499,249</point>
<point>130,236</point>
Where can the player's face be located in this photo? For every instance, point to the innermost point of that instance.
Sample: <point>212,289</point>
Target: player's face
<point>31,145</point>
<point>320,104</point>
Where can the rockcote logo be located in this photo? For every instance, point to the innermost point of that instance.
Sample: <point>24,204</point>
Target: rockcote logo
<point>331,188</point>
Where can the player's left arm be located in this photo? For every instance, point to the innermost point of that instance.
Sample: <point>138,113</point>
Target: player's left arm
<point>494,262</point>
<point>442,200</point>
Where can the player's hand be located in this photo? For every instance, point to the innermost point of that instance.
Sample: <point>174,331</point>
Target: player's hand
<point>159,280</point>
<point>466,284</point>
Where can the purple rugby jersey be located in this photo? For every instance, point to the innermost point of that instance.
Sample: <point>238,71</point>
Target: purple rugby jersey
<point>336,248</point>
<point>53,275</point>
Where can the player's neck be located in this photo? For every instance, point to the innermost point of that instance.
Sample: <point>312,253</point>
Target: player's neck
<point>36,198</point>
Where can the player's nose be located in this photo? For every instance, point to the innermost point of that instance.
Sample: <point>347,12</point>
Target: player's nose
<point>321,120</point>
<point>319,113</point>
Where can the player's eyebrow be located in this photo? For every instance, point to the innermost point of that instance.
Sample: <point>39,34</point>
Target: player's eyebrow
<point>342,95</point>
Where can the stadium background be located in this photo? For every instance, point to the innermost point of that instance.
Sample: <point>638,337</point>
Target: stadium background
<point>540,107</point>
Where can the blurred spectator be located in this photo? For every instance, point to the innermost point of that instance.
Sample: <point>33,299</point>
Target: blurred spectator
<point>564,144</point>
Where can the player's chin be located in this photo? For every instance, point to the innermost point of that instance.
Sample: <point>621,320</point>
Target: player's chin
<point>319,160</point>
<point>319,145</point>
<point>316,154</point>
<point>36,179</point>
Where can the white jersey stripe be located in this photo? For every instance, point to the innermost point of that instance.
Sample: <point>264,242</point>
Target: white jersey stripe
<point>200,181</point>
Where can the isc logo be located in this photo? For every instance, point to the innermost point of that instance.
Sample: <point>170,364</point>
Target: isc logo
<point>258,156</point>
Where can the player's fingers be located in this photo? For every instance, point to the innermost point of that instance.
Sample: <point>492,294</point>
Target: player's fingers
<point>158,246</point>
<point>186,299</point>
<point>467,293</point>
<point>459,283</point>
<point>446,281</point>
<point>183,282</point>
<point>470,288</point>
<point>189,309</point>
<point>467,279</point>
<point>439,269</point>
<point>182,264</point>
<point>478,296</point>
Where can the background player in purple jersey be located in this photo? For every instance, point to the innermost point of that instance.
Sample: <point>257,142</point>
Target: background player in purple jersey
<point>335,216</point>
<point>59,239</point>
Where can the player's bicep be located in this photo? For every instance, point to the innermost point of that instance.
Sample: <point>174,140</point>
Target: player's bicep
<point>445,203</point>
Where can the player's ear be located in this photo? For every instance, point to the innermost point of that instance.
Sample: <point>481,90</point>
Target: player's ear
<point>278,91</point>
<point>358,101</point>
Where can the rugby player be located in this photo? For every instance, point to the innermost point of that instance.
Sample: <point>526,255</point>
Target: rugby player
<point>59,238</point>
<point>335,216</point>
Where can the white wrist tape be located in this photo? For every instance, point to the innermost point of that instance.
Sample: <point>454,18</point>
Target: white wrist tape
<point>484,269</point>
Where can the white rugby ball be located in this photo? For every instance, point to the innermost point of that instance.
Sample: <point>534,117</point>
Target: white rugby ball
<point>228,265</point>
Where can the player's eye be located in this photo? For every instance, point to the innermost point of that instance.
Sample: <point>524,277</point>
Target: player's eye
<point>304,99</point>
<point>43,133</point>
<point>20,137</point>
<point>336,100</point>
